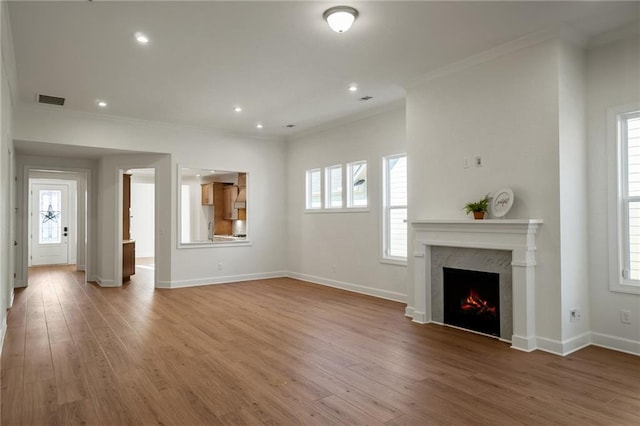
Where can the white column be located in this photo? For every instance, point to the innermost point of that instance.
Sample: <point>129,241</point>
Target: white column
<point>524,299</point>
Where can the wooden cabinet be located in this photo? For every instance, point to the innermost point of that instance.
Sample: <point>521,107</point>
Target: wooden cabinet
<point>207,194</point>
<point>126,207</point>
<point>128,246</point>
<point>221,225</point>
<point>128,259</point>
<point>230,195</point>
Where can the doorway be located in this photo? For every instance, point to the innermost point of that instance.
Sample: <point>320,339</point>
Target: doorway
<point>142,223</point>
<point>52,224</point>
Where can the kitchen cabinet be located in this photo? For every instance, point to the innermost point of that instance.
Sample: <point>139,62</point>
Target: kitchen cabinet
<point>230,196</point>
<point>221,225</point>
<point>128,245</point>
<point>128,259</point>
<point>207,194</point>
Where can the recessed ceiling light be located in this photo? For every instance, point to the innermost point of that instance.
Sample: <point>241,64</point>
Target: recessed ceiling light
<point>198,174</point>
<point>141,38</point>
<point>237,108</point>
<point>366,98</point>
<point>291,126</point>
<point>101,104</point>
<point>353,87</point>
<point>259,126</point>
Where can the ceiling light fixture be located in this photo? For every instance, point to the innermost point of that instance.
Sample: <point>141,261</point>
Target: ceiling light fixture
<point>237,109</point>
<point>101,104</point>
<point>141,38</point>
<point>353,88</point>
<point>259,126</point>
<point>340,18</point>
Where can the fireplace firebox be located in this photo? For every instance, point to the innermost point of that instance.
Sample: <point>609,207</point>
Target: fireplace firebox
<point>472,300</point>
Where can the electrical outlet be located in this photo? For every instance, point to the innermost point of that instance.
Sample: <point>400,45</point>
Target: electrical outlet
<point>477,161</point>
<point>467,162</point>
<point>625,316</point>
<point>575,315</point>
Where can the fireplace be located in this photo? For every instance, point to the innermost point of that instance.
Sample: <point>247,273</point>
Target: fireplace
<point>472,300</point>
<point>515,237</point>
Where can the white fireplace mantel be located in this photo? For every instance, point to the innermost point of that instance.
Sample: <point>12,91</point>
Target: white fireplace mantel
<point>515,235</point>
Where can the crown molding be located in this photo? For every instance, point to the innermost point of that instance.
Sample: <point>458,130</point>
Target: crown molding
<point>352,118</point>
<point>626,31</point>
<point>118,119</point>
<point>563,32</point>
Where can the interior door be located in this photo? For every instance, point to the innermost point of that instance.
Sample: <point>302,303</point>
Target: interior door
<point>50,224</point>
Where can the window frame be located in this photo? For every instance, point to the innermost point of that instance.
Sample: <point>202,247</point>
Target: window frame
<point>309,191</point>
<point>386,214</point>
<point>349,183</point>
<point>327,187</point>
<point>619,256</point>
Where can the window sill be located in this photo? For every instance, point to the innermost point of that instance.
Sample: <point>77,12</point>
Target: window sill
<point>396,262</point>
<point>347,210</point>
<point>625,288</point>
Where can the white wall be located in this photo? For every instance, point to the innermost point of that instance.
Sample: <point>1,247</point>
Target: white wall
<point>7,169</point>
<point>573,194</point>
<point>613,76</point>
<point>142,215</point>
<point>263,159</point>
<point>505,110</point>
<point>349,241</point>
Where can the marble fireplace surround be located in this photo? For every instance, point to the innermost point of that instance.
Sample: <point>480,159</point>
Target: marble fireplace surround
<point>514,235</point>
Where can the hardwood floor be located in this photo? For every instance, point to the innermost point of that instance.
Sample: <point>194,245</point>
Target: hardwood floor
<point>280,352</point>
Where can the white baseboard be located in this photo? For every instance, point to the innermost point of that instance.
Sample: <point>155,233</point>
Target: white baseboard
<point>19,284</point>
<point>220,280</point>
<point>80,268</point>
<point>616,343</point>
<point>564,347</point>
<point>106,283</point>
<point>356,288</point>
<point>409,311</point>
<point>11,298</point>
<point>3,332</point>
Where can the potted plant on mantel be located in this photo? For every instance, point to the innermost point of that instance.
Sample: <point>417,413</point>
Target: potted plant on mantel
<point>478,208</point>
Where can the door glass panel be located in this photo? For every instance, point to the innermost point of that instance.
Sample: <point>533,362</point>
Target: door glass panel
<point>50,217</point>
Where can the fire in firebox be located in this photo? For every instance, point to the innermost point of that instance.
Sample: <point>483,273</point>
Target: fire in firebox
<point>473,304</point>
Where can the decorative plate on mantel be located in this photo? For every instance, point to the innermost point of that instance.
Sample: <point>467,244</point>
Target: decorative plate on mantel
<point>501,202</point>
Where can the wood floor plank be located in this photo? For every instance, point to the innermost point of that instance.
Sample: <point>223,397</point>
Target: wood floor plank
<point>280,351</point>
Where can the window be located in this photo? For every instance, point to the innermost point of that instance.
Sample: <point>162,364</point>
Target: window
<point>314,189</point>
<point>357,184</point>
<point>395,208</point>
<point>334,187</point>
<point>628,130</point>
<point>50,231</point>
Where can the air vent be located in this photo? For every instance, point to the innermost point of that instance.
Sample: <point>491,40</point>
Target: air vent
<point>366,98</point>
<point>50,100</point>
<point>291,126</point>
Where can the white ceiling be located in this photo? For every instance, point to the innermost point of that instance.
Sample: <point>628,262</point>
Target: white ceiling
<point>278,60</point>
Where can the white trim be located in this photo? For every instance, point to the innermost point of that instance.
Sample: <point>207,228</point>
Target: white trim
<point>355,288</point>
<point>339,210</point>
<point>616,343</point>
<point>106,283</point>
<point>3,332</point>
<point>564,347</point>
<point>11,298</point>
<point>531,39</point>
<point>197,282</point>
<point>614,158</point>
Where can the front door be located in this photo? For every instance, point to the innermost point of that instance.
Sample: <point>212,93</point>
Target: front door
<point>49,224</point>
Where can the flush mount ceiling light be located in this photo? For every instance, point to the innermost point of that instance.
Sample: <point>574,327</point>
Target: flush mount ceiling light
<point>237,108</point>
<point>353,87</point>
<point>340,18</point>
<point>141,38</point>
<point>101,104</point>
<point>259,126</point>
